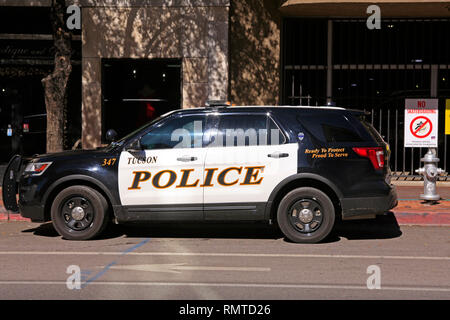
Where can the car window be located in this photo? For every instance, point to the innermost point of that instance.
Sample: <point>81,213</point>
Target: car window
<point>372,131</point>
<point>330,127</point>
<point>247,130</point>
<point>180,132</point>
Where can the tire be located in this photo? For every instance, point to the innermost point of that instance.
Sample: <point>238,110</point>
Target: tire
<point>79,213</point>
<point>306,215</point>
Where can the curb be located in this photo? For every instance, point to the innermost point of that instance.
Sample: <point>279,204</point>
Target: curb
<point>12,217</point>
<point>417,212</point>
<point>409,211</point>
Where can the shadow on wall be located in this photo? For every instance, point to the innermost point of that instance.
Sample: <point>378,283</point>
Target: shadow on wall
<point>255,52</point>
<point>198,34</point>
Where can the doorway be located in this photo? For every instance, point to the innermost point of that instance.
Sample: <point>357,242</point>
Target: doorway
<point>136,91</point>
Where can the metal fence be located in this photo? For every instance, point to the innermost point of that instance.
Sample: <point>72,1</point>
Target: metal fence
<point>404,161</point>
<point>341,61</point>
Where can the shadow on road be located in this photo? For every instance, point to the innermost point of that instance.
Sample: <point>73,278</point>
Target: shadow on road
<point>383,227</point>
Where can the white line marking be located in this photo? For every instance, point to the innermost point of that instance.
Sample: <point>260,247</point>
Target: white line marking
<point>232,285</point>
<point>208,254</point>
<point>178,267</point>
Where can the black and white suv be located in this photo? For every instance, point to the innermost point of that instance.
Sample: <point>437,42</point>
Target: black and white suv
<point>297,166</point>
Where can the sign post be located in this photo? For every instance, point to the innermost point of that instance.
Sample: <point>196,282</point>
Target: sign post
<point>421,130</point>
<point>447,130</point>
<point>447,117</point>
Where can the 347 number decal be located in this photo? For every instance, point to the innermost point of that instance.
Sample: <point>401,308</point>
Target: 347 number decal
<point>108,162</point>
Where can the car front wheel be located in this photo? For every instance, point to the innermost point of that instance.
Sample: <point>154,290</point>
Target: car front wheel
<point>79,213</point>
<point>306,215</point>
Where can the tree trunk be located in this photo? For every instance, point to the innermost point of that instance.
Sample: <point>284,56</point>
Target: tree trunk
<point>55,84</point>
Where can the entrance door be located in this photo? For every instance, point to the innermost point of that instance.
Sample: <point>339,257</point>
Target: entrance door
<point>11,118</point>
<point>23,119</point>
<point>136,91</point>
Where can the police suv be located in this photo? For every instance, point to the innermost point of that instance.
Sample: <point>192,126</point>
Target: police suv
<point>300,167</point>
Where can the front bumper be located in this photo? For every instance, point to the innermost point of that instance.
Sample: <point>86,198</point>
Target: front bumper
<point>369,206</point>
<point>30,204</point>
<point>34,212</point>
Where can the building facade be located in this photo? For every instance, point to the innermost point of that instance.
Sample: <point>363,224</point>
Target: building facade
<point>140,58</point>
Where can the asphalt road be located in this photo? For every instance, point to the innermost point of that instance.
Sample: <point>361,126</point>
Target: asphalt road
<point>240,262</point>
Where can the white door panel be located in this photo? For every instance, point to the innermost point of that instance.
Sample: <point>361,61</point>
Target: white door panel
<point>164,176</point>
<point>247,173</point>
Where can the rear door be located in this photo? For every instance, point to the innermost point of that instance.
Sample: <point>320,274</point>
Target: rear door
<point>249,157</point>
<point>343,151</point>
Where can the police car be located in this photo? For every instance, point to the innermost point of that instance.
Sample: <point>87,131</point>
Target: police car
<point>300,167</point>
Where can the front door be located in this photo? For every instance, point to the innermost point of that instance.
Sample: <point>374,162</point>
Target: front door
<point>164,180</point>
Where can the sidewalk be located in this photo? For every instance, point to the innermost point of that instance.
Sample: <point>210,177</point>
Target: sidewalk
<point>410,210</point>
<point>413,211</point>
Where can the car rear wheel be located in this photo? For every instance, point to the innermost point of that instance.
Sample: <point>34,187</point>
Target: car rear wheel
<point>79,213</point>
<point>306,215</point>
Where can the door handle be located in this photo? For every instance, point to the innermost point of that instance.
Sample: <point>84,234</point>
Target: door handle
<point>187,159</point>
<point>277,155</point>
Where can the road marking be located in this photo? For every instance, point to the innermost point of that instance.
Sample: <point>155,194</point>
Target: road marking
<point>232,285</point>
<point>210,254</point>
<point>178,267</point>
<point>107,267</point>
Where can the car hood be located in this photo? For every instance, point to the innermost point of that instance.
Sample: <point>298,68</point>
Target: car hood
<point>71,154</point>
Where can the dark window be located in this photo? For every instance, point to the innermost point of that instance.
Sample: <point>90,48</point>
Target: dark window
<point>181,132</point>
<point>372,131</point>
<point>330,128</point>
<point>339,134</point>
<point>248,130</point>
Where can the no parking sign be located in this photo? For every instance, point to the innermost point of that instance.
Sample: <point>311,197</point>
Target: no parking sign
<point>421,123</point>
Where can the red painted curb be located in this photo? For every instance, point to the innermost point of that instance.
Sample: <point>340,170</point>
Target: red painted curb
<point>416,212</point>
<point>411,217</point>
<point>12,217</point>
<point>407,212</point>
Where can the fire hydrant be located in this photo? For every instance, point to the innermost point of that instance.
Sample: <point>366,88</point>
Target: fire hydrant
<point>430,173</point>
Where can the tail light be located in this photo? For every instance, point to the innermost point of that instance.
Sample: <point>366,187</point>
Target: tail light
<point>376,156</point>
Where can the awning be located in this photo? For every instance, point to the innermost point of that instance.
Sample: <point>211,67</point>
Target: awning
<point>357,8</point>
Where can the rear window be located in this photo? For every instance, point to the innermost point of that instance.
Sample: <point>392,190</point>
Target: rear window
<point>330,127</point>
<point>373,132</point>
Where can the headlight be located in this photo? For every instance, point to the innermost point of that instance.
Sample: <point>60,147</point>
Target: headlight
<point>36,168</point>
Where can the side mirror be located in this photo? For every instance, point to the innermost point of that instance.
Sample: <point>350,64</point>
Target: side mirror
<point>135,146</point>
<point>111,135</point>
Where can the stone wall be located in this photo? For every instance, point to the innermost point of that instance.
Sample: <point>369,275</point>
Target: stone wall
<point>255,31</point>
<point>194,31</point>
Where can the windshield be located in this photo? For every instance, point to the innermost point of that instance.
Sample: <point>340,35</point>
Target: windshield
<point>121,141</point>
